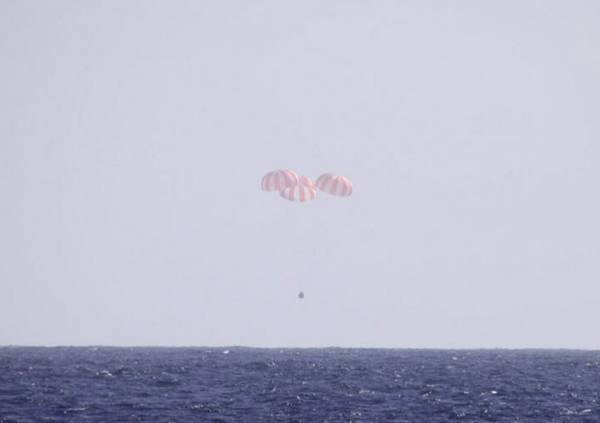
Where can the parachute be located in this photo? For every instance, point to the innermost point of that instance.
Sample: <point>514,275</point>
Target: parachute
<point>279,179</point>
<point>334,185</point>
<point>300,193</point>
<point>301,189</point>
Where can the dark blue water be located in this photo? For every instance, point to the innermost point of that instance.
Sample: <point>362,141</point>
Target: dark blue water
<point>334,385</point>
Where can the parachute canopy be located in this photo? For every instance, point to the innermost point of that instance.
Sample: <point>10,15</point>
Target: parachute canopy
<point>279,179</point>
<point>300,193</point>
<point>334,184</point>
<point>301,189</point>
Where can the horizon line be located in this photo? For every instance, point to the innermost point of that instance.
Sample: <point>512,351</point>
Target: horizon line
<point>227,347</point>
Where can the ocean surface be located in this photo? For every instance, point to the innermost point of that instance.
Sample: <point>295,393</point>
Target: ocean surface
<point>297,385</point>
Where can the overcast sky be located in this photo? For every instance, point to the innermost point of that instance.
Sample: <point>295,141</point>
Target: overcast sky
<point>133,137</point>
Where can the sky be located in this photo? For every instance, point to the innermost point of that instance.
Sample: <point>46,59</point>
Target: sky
<point>134,135</point>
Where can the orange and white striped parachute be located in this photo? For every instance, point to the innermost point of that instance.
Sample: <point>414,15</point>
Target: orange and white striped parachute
<point>300,192</point>
<point>334,184</point>
<point>277,180</point>
<point>293,187</point>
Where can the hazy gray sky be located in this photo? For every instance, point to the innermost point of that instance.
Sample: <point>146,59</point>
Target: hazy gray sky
<point>133,136</point>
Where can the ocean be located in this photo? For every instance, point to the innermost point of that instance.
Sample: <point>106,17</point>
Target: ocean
<point>104,384</point>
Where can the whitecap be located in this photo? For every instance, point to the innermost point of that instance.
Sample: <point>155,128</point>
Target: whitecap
<point>75,409</point>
